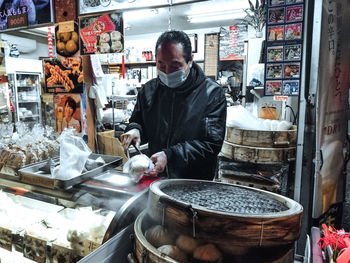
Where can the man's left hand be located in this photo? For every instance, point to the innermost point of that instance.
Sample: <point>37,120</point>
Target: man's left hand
<point>160,161</point>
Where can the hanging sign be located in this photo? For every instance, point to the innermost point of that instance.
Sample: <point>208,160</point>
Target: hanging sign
<point>232,42</point>
<point>101,34</point>
<point>14,14</point>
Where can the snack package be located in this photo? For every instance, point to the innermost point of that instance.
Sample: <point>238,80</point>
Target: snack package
<point>137,166</point>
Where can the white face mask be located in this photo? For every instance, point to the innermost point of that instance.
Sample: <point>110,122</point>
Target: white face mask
<point>174,79</point>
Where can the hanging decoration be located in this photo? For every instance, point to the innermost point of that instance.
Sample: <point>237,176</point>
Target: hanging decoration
<point>49,40</point>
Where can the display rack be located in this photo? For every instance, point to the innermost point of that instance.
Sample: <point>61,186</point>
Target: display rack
<point>26,96</point>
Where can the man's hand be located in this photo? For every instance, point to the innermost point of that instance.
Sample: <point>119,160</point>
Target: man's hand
<point>160,161</point>
<point>131,136</point>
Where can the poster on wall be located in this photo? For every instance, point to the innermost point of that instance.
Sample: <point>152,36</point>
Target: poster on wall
<point>101,34</point>
<point>68,112</point>
<point>64,76</point>
<point>332,108</point>
<point>67,39</point>
<point>15,13</point>
<point>231,44</point>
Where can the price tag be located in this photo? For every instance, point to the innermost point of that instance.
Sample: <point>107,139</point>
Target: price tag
<point>58,252</point>
<point>280,98</point>
<point>17,20</point>
<point>34,249</point>
<point>39,180</point>
<point>90,246</point>
<point>66,26</point>
<point>6,238</point>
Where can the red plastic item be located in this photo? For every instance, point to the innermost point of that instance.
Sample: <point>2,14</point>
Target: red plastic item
<point>344,255</point>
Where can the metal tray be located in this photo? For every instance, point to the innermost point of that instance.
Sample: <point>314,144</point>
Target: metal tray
<point>32,175</point>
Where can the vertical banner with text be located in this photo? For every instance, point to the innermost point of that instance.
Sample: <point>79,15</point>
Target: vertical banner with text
<point>332,107</point>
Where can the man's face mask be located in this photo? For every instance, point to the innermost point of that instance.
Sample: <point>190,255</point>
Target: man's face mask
<point>174,79</point>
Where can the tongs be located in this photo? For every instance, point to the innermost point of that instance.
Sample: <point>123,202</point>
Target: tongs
<point>136,147</point>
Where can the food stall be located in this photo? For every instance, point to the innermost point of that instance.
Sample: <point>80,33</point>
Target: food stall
<point>96,56</point>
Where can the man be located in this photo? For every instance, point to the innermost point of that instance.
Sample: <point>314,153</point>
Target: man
<point>181,113</point>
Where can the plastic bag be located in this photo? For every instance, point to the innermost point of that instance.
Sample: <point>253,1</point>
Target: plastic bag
<point>137,166</point>
<point>73,155</point>
<point>238,116</point>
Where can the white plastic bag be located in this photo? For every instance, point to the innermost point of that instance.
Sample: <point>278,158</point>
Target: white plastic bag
<point>73,155</point>
<point>137,166</point>
<point>239,117</point>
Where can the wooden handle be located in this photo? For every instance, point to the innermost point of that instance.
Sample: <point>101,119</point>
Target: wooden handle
<point>281,143</point>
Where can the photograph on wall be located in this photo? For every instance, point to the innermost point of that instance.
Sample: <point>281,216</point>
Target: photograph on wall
<point>64,76</point>
<point>292,52</point>
<point>293,31</point>
<point>274,71</point>
<point>68,112</point>
<point>276,2</point>
<point>15,13</point>
<point>291,70</point>
<point>289,2</point>
<point>231,43</point>
<point>101,34</point>
<point>294,13</point>
<point>273,87</point>
<point>67,39</point>
<point>275,33</point>
<point>276,15</point>
<point>274,53</point>
<point>290,87</point>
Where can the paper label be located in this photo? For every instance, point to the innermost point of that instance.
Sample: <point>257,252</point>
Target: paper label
<point>6,239</point>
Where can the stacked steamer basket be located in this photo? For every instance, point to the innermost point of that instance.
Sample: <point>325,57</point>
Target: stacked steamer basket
<point>260,150</point>
<point>210,222</point>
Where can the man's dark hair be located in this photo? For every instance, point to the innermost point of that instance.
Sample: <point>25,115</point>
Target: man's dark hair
<point>179,37</point>
<point>71,103</point>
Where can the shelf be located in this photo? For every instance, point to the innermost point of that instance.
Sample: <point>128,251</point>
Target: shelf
<point>27,87</point>
<point>131,63</point>
<point>28,101</point>
<point>28,117</point>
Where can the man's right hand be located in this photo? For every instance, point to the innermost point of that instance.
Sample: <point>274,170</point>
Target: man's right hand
<point>131,136</point>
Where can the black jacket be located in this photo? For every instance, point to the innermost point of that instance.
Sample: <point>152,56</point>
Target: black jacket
<point>187,123</point>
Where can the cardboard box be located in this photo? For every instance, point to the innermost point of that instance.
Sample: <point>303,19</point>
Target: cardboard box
<point>109,145</point>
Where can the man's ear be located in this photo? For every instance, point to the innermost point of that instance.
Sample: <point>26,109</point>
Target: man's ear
<point>191,61</point>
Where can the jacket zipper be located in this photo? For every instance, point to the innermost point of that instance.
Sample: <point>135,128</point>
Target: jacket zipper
<point>170,126</point>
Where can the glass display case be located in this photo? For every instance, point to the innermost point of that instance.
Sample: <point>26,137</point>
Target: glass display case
<point>26,97</point>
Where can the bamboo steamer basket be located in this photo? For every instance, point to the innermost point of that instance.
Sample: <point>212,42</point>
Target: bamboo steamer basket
<point>251,154</point>
<point>259,138</point>
<point>144,252</point>
<point>233,233</point>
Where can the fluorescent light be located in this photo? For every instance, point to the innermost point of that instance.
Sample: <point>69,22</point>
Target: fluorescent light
<point>140,14</point>
<point>216,16</point>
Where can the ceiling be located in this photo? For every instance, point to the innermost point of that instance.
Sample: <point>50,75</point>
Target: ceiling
<point>143,20</point>
<point>137,24</point>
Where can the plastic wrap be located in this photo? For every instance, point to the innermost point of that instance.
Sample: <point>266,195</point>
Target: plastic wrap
<point>73,155</point>
<point>137,166</point>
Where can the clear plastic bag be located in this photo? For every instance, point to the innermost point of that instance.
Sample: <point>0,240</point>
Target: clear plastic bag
<point>137,166</point>
<point>73,155</point>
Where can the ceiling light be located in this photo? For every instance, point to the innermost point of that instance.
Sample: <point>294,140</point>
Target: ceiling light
<point>216,16</point>
<point>140,14</point>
